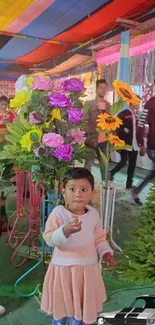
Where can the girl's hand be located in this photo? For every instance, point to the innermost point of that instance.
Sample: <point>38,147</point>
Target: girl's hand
<point>109,260</point>
<point>72,227</point>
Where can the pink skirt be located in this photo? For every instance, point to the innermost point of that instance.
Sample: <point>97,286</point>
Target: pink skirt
<point>73,291</point>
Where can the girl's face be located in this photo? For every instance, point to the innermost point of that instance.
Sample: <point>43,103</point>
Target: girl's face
<point>3,106</point>
<point>77,194</point>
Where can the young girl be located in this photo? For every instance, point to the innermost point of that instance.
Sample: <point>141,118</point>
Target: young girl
<point>73,285</point>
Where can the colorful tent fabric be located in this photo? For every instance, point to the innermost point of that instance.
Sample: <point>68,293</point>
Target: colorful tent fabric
<point>34,32</point>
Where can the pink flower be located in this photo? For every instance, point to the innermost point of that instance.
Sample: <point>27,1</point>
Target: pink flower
<point>77,136</point>
<point>41,83</point>
<point>52,140</point>
<point>32,119</point>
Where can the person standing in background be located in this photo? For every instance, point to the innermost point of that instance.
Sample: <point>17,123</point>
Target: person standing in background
<point>147,117</point>
<point>129,133</point>
<point>97,141</point>
<point>6,116</point>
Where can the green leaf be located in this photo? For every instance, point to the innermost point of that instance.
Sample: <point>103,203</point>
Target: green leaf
<point>23,120</point>
<point>126,147</point>
<point>117,107</point>
<point>7,155</point>
<point>98,130</point>
<point>11,138</point>
<point>86,107</point>
<point>78,104</point>
<point>104,158</point>
<point>74,96</point>
<point>35,145</point>
<point>15,130</point>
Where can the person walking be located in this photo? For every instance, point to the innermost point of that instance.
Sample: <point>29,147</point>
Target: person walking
<point>147,118</point>
<point>129,133</point>
<point>98,141</point>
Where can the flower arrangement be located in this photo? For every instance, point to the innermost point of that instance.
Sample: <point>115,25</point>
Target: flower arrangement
<point>109,123</point>
<point>48,135</point>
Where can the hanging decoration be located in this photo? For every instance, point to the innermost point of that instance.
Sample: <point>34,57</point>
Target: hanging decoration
<point>141,69</point>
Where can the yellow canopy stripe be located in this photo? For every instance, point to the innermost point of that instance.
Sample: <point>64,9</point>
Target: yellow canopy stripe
<point>10,10</point>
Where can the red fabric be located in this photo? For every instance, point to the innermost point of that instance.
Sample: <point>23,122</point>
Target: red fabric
<point>130,117</point>
<point>95,25</point>
<point>11,116</point>
<point>11,119</point>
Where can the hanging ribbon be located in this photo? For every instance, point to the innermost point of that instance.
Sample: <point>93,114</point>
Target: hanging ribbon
<point>123,65</point>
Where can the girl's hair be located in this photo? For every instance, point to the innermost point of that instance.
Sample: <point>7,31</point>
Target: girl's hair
<point>78,173</point>
<point>4,99</point>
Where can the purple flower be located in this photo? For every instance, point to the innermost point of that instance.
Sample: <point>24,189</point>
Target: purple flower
<point>63,153</point>
<point>52,140</point>
<point>74,85</point>
<point>75,115</point>
<point>59,100</point>
<point>32,119</point>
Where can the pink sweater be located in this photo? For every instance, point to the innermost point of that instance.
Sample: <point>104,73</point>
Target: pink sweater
<point>81,248</point>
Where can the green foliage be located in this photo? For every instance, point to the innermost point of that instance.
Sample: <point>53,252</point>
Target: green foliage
<point>15,130</point>
<point>104,158</point>
<point>84,122</point>
<point>12,149</point>
<point>117,107</point>
<point>22,118</point>
<point>38,102</point>
<point>140,265</point>
<point>126,147</point>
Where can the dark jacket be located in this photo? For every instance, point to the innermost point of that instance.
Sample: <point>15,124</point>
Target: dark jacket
<point>148,117</point>
<point>125,132</point>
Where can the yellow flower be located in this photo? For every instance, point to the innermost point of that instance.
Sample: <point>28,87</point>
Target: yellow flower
<point>29,81</point>
<point>116,141</point>
<point>125,92</point>
<point>108,122</point>
<point>20,99</point>
<point>26,141</point>
<point>56,114</point>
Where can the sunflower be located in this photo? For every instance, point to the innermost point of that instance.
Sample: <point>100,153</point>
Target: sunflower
<point>108,122</point>
<point>20,99</point>
<point>116,141</point>
<point>26,141</point>
<point>126,93</point>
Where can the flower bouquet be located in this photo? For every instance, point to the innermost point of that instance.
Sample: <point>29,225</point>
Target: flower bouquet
<point>109,124</point>
<point>48,135</point>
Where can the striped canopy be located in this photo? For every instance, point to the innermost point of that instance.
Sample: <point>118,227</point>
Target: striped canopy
<point>45,33</point>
